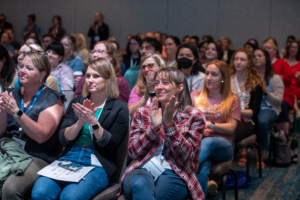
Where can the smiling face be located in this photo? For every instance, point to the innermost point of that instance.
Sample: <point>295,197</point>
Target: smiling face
<point>211,52</point>
<point>102,48</point>
<point>240,61</point>
<point>28,74</point>
<point>149,65</point>
<point>213,78</point>
<point>259,59</point>
<point>170,47</point>
<point>94,82</point>
<point>54,58</point>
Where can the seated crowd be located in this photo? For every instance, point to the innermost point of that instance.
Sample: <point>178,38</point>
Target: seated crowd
<point>185,104</point>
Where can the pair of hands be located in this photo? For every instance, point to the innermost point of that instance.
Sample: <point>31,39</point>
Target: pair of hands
<point>156,113</point>
<point>8,103</point>
<point>150,86</point>
<point>85,112</point>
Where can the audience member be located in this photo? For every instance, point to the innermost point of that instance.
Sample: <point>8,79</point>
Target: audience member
<point>213,52</point>
<point>289,39</point>
<point>173,143</point>
<point>81,48</point>
<point>254,42</point>
<point>222,111</point>
<point>61,71</point>
<point>132,57</point>
<point>195,41</point>
<point>172,44</point>
<point>57,31</point>
<point>227,49</point>
<point>163,38</point>
<point>70,57</point>
<point>31,27</point>
<point>4,24</point>
<point>13,42</point>
<point>46,40</point>
<point>99,30</point>
<point>250,47</point>
<point>248,85</point>
<point>33,40</point>
<point>127,43</point>
<point>91,132</point>
<point>150,35</point>
<point>157,35</point>
<point>202,49</point>
<point>270,106</point>
<point>207,38</point>
<point>187,59</point>
<point>7,70</point>
<point>144,88</point>
<point>30,116</point>
<point>186,39</point>
<point>105,49</point>
<point>6,43</point>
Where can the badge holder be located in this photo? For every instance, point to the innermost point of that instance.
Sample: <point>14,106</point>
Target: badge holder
<point>19,139</point>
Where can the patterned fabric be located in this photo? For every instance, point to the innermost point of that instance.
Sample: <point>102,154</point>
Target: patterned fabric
<point>182,144</point>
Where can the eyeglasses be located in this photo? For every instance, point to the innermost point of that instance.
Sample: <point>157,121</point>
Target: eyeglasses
<point>147,48</point>
<point>101,52</point>
<point>46,41</point>
<point>33,51</point>
<point>149,66</point>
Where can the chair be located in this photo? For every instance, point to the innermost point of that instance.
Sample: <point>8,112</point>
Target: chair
<point>69,94</point>
<point>248,143</point>
<point>111,192</point>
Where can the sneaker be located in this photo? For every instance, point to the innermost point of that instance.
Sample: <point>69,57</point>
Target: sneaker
<point>212,188</point>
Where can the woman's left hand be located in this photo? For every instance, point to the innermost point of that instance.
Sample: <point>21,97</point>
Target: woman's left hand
<point>169,111</point>
<point>85,112</point>
<point>8,103</point>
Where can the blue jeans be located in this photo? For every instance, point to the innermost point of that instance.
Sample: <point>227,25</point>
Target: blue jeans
<point>212,149</point>
<point>265,118</point>
<point>94,182</point>
<point>139,185</point>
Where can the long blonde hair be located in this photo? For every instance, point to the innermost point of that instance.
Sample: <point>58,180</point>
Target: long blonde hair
<point>83,40</point>
<point>201,100</point>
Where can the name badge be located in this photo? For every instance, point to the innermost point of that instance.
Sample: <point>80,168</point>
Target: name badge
<point>154,167</point>
<point>21,142</point>
<point>97,38</point>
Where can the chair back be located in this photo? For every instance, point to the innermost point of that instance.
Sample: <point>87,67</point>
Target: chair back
<point>69,94</point>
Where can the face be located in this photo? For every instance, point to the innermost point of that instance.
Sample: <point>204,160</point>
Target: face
<point>259,59</point>
<point>4,38</point>
<point>187,53</point>
<point>157,36</point>
<point>249,48</point>
<point>269,48</point>
<point>213,78</point>
<point>240,61</point>
<point>55,21</point>
<point>149,65</point>
<point>54,58</point>
<point>293,50</point>
<point>46,41</point>
<point>29,21</point>
<point>95,83</point>
<point>203,48</point>
<point>98,17</point>
<point>100,52</point>
<point>224,44</point>
<point>30,41</point>
<point>78,42</point>
<point>186,40</point>
<point>211,52</point>
<point>67,46</point>
<point>10,34</point>
<point>170,47</point>
<point>149,34</point>
<point>24,49</point>
<point>146,48</point>
<point>133,46</point>
<point>194,42</point>
<point>165,89</point>
<point>28,73</point>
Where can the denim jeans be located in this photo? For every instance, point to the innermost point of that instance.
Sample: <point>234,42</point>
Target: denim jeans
<point>93,183</point>
<point>212,149</point>
<point>265,118</point>
<point>139,185</point>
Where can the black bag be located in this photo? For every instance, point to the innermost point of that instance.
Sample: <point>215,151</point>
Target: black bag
<point>279,147</point>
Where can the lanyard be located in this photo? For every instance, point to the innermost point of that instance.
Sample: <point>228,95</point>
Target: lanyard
<point>241,96</point>
<point>170,65</point>
<point>131,62</point>
<point>34,100</point>
<point>162,155</point>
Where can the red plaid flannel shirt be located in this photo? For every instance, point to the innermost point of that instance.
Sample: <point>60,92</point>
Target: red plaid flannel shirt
<point>182,144</point>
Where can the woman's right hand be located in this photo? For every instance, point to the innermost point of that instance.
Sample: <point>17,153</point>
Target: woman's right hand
<point>155,115</point>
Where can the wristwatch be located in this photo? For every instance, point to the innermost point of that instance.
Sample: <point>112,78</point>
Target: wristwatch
<point>212,125</point>
<point>95,126</point>
<point>18,114</point>
<point>152,94</point>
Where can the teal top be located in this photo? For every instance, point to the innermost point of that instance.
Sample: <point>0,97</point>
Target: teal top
<point>85,136</point>
<point>131,75</point>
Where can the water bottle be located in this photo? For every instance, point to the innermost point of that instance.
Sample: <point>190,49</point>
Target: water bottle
<point>294,151</point>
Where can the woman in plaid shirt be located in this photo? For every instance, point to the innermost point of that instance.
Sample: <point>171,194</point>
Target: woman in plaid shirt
<point>164,143</point>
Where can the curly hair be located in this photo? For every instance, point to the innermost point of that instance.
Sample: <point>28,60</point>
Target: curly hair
<point>253,78</point>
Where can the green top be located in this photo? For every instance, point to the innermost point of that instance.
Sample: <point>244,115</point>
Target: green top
<point>131,75</point>
<point>85,136</point>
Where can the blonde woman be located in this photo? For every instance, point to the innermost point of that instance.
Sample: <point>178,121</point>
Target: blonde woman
<point>81,48</point>
<point>140,94</point>
<point>222,111</point>
<point>227,49</point>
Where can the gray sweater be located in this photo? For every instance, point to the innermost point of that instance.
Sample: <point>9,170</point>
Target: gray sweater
<point>275,96</point>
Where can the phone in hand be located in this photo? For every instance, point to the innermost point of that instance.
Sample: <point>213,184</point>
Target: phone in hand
<point>70,166</point>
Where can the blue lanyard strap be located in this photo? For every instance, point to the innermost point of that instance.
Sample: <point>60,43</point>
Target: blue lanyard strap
<point>34,100</point>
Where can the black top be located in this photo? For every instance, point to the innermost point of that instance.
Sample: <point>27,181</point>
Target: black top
<point>103,32</point>
<point>114,119</point>
<point>60,33</point>
<point>48,150</point>
<point>126,61</point>
<point>254,105</point>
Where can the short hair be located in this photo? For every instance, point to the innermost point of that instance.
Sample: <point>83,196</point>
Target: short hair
<point>12,30</point>
<point>209,38</point>
<point>48,35</point>
<point>8,70</point>
<point>184,38</point>
<point>32,17</point>
<point>177,77</point>
<point>218,48</point>
<point>175,39</point>
<point>154,42</point>
<point>41,62</point>
<point>110,49</point>
<point>57,47</point>
<point>141,82</point>
<point>136,38</point>
<point>288,50</point>
<point>106,71</point>
<point>58,17</point>
<point>83,40</point>
<point>196,68</point>
<point>195,37</point>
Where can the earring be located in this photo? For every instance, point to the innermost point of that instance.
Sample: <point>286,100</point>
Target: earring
<point>222,81</point>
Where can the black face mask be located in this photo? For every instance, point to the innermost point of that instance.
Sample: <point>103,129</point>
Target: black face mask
<point>184,63</point>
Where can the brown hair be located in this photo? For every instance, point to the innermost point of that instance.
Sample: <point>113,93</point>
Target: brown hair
<point>41,62</point>
<point>106,71</point>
